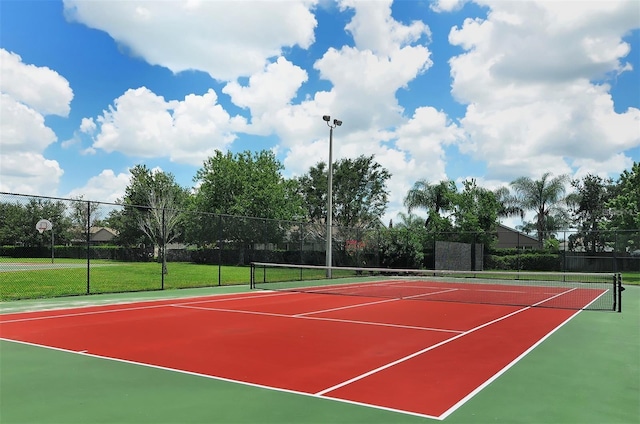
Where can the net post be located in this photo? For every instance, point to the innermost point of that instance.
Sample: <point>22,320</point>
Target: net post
<point>252,276</point>
<point>615,293</point>
<point>619,292</point>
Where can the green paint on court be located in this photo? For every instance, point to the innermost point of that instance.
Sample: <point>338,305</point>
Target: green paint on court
<point>587,372</point>
<point>46,386</point>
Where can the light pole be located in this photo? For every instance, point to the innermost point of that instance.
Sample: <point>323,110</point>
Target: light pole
<point>336,123</point>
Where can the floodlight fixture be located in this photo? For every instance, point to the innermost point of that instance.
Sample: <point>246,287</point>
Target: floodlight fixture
<point>337,122</point>
<point>326,118</point>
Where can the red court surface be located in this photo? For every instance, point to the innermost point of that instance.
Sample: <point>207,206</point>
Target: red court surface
<point>418,357</point>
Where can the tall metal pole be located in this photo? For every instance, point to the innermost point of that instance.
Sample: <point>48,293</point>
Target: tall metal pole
<point>329,202</point>
<point>336,123</point>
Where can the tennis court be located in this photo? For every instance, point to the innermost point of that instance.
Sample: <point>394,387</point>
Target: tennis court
<point>415,354</point>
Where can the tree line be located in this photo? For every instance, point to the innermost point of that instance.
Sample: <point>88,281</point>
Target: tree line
<point>157,210</point>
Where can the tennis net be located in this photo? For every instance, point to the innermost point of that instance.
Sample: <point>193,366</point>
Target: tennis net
<point>566,290</point>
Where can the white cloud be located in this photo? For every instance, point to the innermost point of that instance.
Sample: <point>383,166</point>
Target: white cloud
<point>365,79</point>
<point>528,75</point>
<point>373,28</point>
<point>424,137</point>
<point>29,173</point>
<point>267,92</point>
<point>87,125</point>
<point>39,88</point>
<point>447,5</point>
<point>27,93</point>
<point>227,39</point>
<point>366,84</point>
<point>22,128</point>
<point>105,187</point>
<point>142,124</point>
<point>616,164</point>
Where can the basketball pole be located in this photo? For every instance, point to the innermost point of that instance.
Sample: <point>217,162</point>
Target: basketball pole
<point>45,225</point>
<point>52,245</point>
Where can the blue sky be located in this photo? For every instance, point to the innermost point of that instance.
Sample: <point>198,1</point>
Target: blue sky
<point>448,89</point>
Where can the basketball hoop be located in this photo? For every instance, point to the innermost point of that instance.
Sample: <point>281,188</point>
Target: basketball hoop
<point>44,225</point>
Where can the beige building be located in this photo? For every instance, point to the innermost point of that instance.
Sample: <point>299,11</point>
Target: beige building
<point>508,238</point>
<point>102,234</point>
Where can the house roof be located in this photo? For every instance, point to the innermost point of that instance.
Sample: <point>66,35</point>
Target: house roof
<point>505,228</point>
<point>95,230</point>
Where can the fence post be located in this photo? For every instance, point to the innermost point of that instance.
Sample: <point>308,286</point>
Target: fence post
<point>615,251</point>
<point>163,252</point>
<point>473,252</point>
<point>301,235</point>
<point>518,250</point>
<point>564,251</point>
<point>88,240</point>
<point>219,250</point>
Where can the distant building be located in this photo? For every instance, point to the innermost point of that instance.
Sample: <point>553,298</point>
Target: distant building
<point>508,238</point>
<point>102,234</point>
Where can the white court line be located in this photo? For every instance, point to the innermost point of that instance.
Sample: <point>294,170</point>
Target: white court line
<point>429,348</point>
<point>503,370</point>
<point>213,377</point>
<point>512,363</point>
<point>222,298</point>
<point>335,289</point>
<point>346,321</point>
<point>321,393</point>
<point>430,294</point>
<point>357,305</point>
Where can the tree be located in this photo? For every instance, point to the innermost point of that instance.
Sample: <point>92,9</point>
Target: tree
<point>246,186</point>
<point>589,210</point>
<point>508,203</point>
<point>359,192</point>
<point>12,216</point>
<point>544,196</point>
<point>153,207</point>
<point>83,215</point>
<point>559,220</point>
<point>624,204</point>
<point>434,198</point>
<point>624,210</point>
<point>18,222</point>
<point>475,210</point>
<point>400,248</point>
<point>161,222</point>
<point>410,221</point>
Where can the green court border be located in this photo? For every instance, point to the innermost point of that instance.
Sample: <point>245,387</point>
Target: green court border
<point>586,372</point>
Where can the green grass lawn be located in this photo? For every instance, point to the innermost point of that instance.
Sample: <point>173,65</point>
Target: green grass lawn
<point>632,278</point>
<point>63,279</point>
<point>39,278</point>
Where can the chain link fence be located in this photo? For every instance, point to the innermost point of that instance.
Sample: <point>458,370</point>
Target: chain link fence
<point>97,247</point>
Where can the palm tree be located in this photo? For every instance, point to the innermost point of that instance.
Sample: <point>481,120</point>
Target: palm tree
<point>409,221</point>
<point>508,203</point>
<point>544,196</point>
<point>435,198</point>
